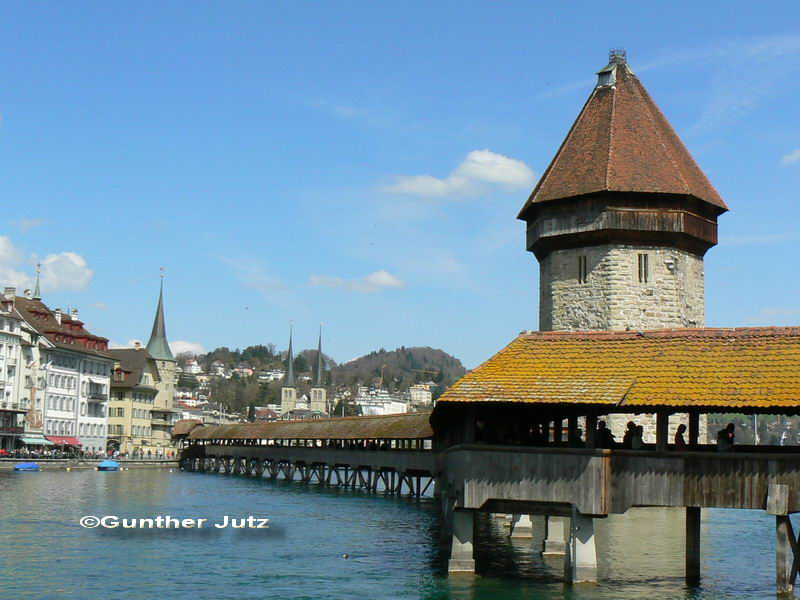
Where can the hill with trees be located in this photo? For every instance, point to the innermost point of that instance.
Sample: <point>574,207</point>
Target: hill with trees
<point>399,369</point>
<point>395,370</point>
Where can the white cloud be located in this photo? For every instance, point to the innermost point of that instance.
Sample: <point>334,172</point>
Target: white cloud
<point>181,346</point>
<point>479,170</point>
<point>64,271</point>
<point>373,282</point>
<point>792,157</point>
<point>25,225</point>
<point>10,258</point>
<point>100,305</point>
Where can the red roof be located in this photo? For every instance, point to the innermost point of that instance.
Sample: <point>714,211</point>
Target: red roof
<point>622,142</point>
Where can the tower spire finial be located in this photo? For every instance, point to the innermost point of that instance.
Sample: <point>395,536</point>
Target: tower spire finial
<point>617,55</point>
<point>37,294</point>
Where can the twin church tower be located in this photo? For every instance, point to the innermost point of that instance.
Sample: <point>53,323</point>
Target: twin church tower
<point>622,217</point>
<point>318,402</point>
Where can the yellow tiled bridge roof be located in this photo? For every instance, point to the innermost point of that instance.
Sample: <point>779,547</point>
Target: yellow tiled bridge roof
<point>736,369</point>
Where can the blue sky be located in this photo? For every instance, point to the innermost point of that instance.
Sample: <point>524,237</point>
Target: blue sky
<point>270,157</point>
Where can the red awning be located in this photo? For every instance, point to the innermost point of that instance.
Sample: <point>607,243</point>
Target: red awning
<point>60,440</point>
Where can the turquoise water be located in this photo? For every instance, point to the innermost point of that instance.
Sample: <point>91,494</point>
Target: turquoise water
<point>392,545</point>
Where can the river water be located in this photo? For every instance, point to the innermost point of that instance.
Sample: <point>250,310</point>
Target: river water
<point>392,545</point>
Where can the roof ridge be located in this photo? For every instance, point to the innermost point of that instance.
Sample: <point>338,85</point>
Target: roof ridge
<point>675,332</point>
<point>610,134</point>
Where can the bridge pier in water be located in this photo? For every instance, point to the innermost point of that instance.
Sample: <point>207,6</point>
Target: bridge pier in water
<point>554,543</point>
<point>580,557</point>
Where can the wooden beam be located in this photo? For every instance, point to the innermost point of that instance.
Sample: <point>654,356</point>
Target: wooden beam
<point>558,426</point>
<point>591,430</point>
<point>694,429</point>
<point>572,425</point>
<point>662,431</point>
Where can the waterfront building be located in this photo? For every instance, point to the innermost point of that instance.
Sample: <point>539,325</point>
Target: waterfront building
<point>164,412</point>
<point>621,220</point>
<point>77,377</point>
<point>133,395</point>
<point>12,367</point>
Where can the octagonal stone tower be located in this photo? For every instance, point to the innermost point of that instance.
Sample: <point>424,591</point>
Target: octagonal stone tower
<point>622,217</point>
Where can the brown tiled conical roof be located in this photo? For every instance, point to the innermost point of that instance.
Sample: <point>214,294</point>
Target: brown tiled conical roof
<point>621,142</point>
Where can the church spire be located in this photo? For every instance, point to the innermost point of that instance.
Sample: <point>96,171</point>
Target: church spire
<point>158,347</point>
<point>318,378</point>
<point>37,294</point>
<point>289,379</point>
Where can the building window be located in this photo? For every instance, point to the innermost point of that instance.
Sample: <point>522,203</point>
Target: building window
<point>583,271</point>
<point>644,270</point>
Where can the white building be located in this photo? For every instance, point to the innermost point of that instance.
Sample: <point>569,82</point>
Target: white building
<point>421,393</point>
<point>271,375</point>
<point>379,402</point>
<point>12,367</point>
<point>192,367</point>
<point>77,377</point>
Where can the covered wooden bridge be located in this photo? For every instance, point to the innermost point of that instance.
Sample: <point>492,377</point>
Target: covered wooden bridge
<point>506,439</point>
<point>392,453</point>
<point>512,442</point>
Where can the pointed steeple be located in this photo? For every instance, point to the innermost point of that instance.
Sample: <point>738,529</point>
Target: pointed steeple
<point>318,378</point>
<point>289,379</point>
<point>158,346</point>
<point>621,142</point>
<point>37,294</point>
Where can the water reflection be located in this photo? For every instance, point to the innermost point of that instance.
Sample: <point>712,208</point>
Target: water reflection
<point>392,545</point>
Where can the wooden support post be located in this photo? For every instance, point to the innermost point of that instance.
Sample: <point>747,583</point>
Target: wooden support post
<point>558,427</point>
<point>580,558</point>
<point>785,552</point>
<point>662,431</point>
<point>591,430</point>
<point>692,545</point>
<point>786,547</point>
<point>461,559</point>
<point>572,426</point>
<point>694,429</point>
<point>553,543</point>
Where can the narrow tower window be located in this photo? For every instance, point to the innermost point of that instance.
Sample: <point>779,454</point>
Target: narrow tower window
<point>583,272</point>
<point>644,271</point>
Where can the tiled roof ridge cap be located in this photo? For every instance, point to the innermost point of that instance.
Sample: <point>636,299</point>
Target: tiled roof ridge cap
<point>610,142</point>
<point>762,331</point>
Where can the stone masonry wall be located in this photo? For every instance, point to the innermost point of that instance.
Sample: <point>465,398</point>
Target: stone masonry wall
<point>614,299</point>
